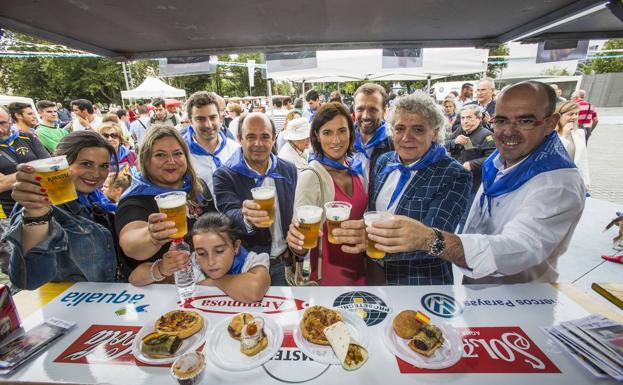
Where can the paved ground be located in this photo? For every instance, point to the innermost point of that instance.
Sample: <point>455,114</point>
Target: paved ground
<point>605,156</point>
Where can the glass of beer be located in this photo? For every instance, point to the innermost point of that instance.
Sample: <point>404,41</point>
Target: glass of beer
<point>336,213</point>
<point>309,224</point>
<point>265,197</point>
<point>368,218</point>
<point>174,205</point>
<point>54,174</point>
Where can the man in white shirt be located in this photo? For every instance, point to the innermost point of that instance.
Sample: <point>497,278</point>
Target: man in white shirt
<point>208,145</point>
<point>525,212</point>
<point>85,117</point>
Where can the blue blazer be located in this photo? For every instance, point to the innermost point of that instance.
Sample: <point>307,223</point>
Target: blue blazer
<point>231,188</point>
<point>436,196</point>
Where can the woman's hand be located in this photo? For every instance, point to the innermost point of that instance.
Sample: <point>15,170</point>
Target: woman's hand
<point>566,129</point>
<point>173,261</point>
<point>27,191</point>
<point>160,230</point>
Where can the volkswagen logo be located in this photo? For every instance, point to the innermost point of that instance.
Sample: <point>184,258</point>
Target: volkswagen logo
<point>441,305</point>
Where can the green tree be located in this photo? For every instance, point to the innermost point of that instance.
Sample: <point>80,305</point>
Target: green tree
<point>607,64</point>
<point>494,69</point>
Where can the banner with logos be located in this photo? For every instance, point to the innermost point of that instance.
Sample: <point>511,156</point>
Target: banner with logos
<point>499,327</point>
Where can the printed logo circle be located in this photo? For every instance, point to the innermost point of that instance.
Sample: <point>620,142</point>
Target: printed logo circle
<point>368,306</point>
<point>441,305</point>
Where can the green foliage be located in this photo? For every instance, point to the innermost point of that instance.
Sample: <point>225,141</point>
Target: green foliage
<point>555,71</point>
<point>494,70</point>
<point>605,65</point>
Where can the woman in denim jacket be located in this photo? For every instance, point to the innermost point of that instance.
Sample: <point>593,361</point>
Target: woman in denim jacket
<point>72,241</point>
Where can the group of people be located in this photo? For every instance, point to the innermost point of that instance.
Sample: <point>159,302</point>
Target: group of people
<point>506,177</point>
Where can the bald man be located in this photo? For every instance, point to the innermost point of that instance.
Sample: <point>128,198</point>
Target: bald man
<point>254,165</point>
<point>525,212</point>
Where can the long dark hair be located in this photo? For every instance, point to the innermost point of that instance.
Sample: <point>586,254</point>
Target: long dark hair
<point>326,113</point>
<point>72,144</point>
<point>218,223</point>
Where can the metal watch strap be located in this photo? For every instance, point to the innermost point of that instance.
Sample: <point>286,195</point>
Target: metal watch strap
<point>35,221</point>
<point>438,246</point>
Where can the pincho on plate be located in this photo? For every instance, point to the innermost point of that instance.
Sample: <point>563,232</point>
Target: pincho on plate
<point>169,336</point>
<point>332,336</point>
<point>413,338</point>
<point>244,341</point>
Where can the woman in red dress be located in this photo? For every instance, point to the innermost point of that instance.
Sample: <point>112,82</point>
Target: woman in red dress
<point>333,175</point>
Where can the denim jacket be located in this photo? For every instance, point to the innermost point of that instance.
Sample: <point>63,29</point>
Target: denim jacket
<point>79,247</point>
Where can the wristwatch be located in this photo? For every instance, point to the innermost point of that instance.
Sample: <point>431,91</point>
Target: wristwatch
<point>438,245</point>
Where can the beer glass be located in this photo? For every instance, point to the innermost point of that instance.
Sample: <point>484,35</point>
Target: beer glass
<point>309,224</point>
<point>368,218</point>
<point>265,197</point>
<point>174,205</point>
<point>54,174</point>
<point>336,213</point>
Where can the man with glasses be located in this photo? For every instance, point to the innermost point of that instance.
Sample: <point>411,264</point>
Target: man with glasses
<point>48,132</point>
<point>525,212</point>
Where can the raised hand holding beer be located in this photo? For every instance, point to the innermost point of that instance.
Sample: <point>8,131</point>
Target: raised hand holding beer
<point>260,211</point>
<point>27,191</point>
<point>253,213</point>
<point>160,230</point>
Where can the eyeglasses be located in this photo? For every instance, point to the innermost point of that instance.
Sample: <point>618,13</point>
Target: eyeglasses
<point>111,136</point>
<point>525,124</point>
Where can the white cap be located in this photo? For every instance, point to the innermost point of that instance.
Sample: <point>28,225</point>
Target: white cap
<point>298,129</point>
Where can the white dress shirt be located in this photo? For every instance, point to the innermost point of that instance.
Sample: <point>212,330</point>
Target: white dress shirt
<point>527,231</point>
<point>388,188</point>
<point>204,164</point>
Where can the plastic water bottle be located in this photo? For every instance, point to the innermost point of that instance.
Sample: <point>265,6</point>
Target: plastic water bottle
<point>184,278</point>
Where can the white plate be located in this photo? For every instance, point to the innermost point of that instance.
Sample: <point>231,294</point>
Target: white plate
<point>224,351</point>
<point>188,344</point>
<point>445,356</point>
<point>324,354</point>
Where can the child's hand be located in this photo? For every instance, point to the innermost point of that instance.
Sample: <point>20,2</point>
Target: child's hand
<point>173,261</point>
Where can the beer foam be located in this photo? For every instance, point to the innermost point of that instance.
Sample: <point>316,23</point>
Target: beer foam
<point>171,200</point>
<point>368,218</point>
<point>339,213</point>
<point>263,193</point>
<point>50,164</point>
<point>309,214</point>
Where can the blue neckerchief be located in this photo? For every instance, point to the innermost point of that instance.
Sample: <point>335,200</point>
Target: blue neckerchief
<point>122,152</point>
<point>434,154</point>
<point>9,141</point>
<point>379,135</point>
<point>237,163</point>
<point>550,155</point>
<point>238,262</point>
<point>353,166</point>
<point>141,186</point>
<point>196,149</point>
<point>312,113</point>
<point>98,199</point>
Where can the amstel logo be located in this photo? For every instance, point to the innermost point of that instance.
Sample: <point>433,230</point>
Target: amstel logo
<point>222,304</point>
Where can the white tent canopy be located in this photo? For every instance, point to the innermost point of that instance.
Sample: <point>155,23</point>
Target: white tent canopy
<point>153,88</point>
<point>366,64</point>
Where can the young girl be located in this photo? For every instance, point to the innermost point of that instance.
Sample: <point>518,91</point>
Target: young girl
<point>224,263</point>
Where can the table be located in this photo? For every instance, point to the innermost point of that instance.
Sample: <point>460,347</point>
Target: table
<point>613,292</point>
<point>486,316</point>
